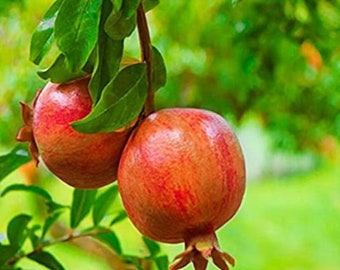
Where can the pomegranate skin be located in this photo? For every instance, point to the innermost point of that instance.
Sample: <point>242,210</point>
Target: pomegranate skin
<point>81,160</point>
<point>181,175</point>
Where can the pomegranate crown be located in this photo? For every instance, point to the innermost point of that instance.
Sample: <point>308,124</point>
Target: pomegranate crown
<point>199,249</point>
<point>25,133</point>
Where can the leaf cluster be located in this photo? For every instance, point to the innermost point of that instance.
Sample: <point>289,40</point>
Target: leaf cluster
<point>255,65</point>
<point>78,38</point>
<point>87,37</point>
<point>93,204</point>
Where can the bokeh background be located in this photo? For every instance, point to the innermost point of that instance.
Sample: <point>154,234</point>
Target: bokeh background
<point>272,68</point>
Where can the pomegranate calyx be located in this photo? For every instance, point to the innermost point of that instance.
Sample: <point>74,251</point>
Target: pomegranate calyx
<point>220,258</point>
<point>198,251</point>
<point>25,133</point>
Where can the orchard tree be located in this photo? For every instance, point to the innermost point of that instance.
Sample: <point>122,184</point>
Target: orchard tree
<point>181,172</point>
<point>276,61</point>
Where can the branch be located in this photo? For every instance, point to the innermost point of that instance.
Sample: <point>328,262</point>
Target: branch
<point>146,55</point>
<point>66,238</point>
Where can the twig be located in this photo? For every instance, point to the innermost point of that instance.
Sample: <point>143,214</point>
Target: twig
<point>66,238</point>
<point>146,55</point>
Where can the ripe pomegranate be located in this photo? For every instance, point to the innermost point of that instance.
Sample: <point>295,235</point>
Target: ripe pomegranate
<point>81,160</point>
<point>181,177</point>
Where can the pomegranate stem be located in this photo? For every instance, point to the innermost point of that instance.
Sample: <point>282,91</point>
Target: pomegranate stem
<point>146,55</point>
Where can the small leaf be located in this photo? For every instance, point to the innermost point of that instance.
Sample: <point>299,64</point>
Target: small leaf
<point>35,240</point>
<point>121,102</point>
<point>111,240</point>
<point>59,72</point>
<point>103,203</point>
<point>28,188</point>
<point>13,160</point>
<point>109,53</point>
<point>119,217</point>
<point>117,4</point>
<point>162,262</point>
<point>7,252</point>
<point>48,223</point>
<point>16,230</point>
<point>81,205</point>
<point>53,207</point>
<point>76,30</point>
<point>152,246</point>
<point>118,27</point>
<point>112,19</point>
<point>158,70</point>
<point>129,8</point>
<point>150,4</point>
<point>46,259</point>
<point>43,37</point>
<point>91,61</point>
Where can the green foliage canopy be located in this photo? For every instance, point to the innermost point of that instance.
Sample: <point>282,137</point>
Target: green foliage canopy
<point>249,59</point>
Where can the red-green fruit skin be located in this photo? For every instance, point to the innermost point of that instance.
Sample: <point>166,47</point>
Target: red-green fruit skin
<point>181,174</point>
<point>81,160</point>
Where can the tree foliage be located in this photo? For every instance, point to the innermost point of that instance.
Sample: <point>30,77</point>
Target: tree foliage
<point>22,229</point>
<point>275,60</point>
<point>74,39</point>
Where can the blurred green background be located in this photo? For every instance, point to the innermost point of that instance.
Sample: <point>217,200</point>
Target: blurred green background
<point>272,68</point>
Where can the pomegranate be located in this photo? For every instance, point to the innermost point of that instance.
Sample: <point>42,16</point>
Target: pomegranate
<point>81,160</point>
<point>181,177</point>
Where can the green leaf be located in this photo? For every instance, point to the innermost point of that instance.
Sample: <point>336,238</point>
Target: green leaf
<point>91,61</point>
<point>102,204</point>
<point>152,246</point>
<point>111,240</point>
<point>46,259</point>
<point>35,240</point>
<point>7,252</point>
<point>119,217</point>
<point>150,4</point>
<point>112,19</point>
<point>117,4</point>
<point>162,262</point>
<point>13,160</point>
<point>109,54</point>
<point>49,222</point>
<point>123,28</point>
<point>59,71</point>
<point>28,188</point>
<point>76,30</point>
<point>16,230</point>
<point>43,37</point>
<point>120,25</point>
<point>53,206</point>
<point>158,70</point>
<point>81,205</point>
<point>121,102</point>
<point>129,8</point>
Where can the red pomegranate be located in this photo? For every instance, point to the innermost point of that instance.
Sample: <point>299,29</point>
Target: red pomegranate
<point>181,177</point>
<point>81,160</point>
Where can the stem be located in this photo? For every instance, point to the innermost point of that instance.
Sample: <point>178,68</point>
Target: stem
<point>63,239</point>
<point>146,55</point>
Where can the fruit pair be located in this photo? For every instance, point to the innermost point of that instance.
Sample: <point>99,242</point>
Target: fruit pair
<point>181,174</point>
